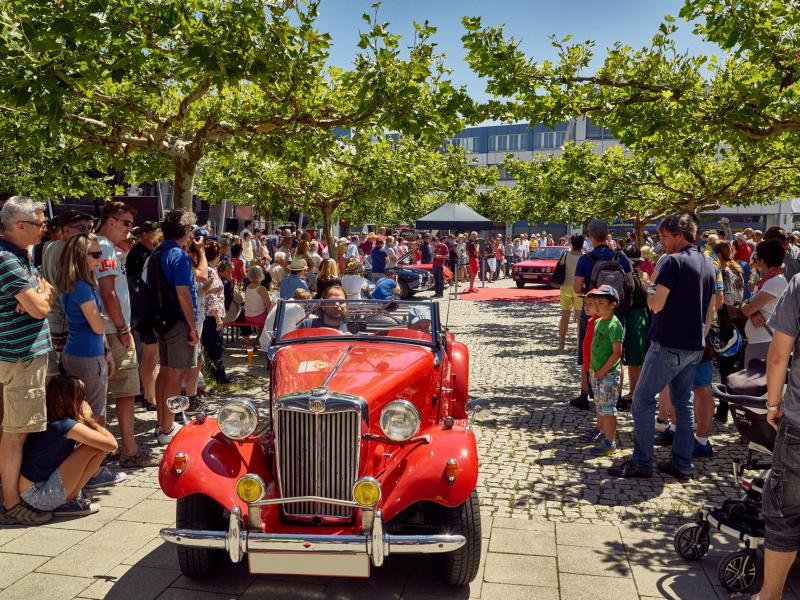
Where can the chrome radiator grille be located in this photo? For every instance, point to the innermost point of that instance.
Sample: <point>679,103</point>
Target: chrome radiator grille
<point>317,456</point>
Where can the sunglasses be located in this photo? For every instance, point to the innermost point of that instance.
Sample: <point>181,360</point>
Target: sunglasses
<point>95,255</point>
<point>125,222</point>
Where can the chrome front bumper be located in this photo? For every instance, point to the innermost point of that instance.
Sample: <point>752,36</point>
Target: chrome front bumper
<point>376,544</point>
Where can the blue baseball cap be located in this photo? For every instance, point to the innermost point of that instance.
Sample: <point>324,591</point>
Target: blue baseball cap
<point>605,290</point>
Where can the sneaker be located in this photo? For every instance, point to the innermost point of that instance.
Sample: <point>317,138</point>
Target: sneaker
<point>604,447</point>
<point>105,477</point>
<point>629,470</point>
<point>196,406</point>
<point>592,435</point>
<point>166,438</point>
<point>702,450</point>
<point>24,514</point>
<point>664,438</point>
<point>581,402</point>
<point>662,425</point>
<point>80,506</point>
<point>143,458</point>
<point>669,468</point>
<point>721,415</point>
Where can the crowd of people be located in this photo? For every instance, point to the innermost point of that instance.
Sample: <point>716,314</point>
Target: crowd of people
<point>667,313</point>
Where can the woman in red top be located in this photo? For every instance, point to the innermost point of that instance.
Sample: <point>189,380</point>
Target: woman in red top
<point>743,251</point>
<point>237,274</point>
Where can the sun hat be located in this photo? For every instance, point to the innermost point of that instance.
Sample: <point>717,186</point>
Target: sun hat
<point>352,266</point>
<point>298,264</point>
<point>605,290</point>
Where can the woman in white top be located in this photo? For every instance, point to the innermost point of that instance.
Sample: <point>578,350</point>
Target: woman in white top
<point>352,281</point>
<point>768,260</point>
<point>257,301</point>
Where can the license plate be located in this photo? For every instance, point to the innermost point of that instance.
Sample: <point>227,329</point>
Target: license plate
<point>532,276</point>
<point>333,564</point>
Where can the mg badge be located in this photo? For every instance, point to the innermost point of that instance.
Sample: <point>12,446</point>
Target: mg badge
<point>316,405</point>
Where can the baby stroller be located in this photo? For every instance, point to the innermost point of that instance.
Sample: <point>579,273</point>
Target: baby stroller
<point>746,392</point>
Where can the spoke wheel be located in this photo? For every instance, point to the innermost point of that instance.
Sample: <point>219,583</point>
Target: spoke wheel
<point>691,541</point>
<point>738,571</point>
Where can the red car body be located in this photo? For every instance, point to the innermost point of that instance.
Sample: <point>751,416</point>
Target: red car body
<point>435,470</point>
<point>539,266</point>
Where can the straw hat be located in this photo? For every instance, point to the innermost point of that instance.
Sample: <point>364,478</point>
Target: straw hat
<point>352,266</point>
<point>298,264</point>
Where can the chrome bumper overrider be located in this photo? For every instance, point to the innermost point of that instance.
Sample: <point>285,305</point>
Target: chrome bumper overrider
<point>237,541</point>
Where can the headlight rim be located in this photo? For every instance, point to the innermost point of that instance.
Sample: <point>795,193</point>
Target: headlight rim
<point>247,404</point>
<point>259,480</point>
<point>408,404</point>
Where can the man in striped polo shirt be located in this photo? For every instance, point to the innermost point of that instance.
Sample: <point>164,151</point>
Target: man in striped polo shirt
<point>25,300</point>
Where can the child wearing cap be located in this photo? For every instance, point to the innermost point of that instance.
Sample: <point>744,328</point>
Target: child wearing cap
<point>604,364</point>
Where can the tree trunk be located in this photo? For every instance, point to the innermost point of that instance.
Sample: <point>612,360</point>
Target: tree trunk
<point>638,231</point>
<point>185,170</point>
<point>327,224</point>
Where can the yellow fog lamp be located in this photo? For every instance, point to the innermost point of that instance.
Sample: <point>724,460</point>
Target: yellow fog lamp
<point>367,492</point>
<point>250,488</point>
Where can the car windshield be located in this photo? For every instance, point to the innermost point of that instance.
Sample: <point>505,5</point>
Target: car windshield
<point>298,321</point>
<point>552,253</point>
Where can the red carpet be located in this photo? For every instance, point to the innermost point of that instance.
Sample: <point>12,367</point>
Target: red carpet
<point>526,294</point>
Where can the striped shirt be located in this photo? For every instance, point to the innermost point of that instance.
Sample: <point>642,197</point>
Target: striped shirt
<point>21,336</point>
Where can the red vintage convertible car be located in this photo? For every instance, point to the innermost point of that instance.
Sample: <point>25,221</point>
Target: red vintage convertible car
<point>361,447</point>
<point>539,266</point>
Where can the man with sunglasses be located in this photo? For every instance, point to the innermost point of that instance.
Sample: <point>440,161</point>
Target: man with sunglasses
<point>116,222</point>
<point>25,300</point>
<point>71,223</point>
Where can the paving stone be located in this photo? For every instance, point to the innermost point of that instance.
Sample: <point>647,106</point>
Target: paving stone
<point>121,496</point>
<point>45,542</point>
<point>181,594</point>
<point>576,534</point>
<point>126,582</point>
<point>16,566</point>
<point>231,579</point>
<point>156,554</point>
<point>151,510</point>
<point>89,523</point>
<point>278,588</point>
<point>610,562</point>
<point>11,533</point>
<point>679,584</point>
<point>504,591</point>
<point>521,570</point>
<point>590,587</point>
<point>45,585</point>
<point>541,543</point>
<point>536,524</point>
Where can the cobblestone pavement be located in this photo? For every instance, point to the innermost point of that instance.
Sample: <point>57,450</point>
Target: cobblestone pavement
<point>554,525</point>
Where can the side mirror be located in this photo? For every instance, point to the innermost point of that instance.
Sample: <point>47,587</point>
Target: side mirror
<point>478,410</point>
<point>177,404</point>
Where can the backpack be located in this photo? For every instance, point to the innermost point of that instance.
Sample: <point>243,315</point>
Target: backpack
<point>142,308</point>
<point>638,293</point>
<point>733,286</point>
<point>610,272</point>
<point>165,305</point>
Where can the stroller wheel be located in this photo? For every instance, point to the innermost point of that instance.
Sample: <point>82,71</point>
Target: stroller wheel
<point>738,571</point>
<point>691,541</point>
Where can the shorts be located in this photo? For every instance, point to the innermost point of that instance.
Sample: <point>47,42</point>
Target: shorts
<point>257,320</point>
<point>46,495</point>
<point>569,299</point>
<point>93,371</point>
<point>473,265</point>
<point>605,394</point>
<point>174,350</point>
<point>24,404</point>
<point>124,382</point>
<point>781,500</point>
<point>703,374</point>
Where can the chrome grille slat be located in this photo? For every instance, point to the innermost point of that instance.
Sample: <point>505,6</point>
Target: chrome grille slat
<point>317,456</point>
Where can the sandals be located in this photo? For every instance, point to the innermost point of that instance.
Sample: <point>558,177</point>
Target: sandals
<point>143,458</point>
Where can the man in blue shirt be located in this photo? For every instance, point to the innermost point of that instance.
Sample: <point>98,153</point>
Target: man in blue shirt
<point>295,280</point>
<point>425,251</point>
<point>386,288</point>
<point>378,256</point>
<point>597,232</point>
<point>177,346</point>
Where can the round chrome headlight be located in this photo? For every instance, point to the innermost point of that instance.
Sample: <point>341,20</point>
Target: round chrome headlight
<point>399,420</point>
<point>237,419</point>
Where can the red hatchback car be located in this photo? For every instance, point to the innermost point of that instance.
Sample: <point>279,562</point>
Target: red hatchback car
<point>360,447</point>
<point>539,266</point>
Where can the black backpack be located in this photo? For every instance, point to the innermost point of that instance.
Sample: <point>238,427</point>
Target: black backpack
<point>165,307</point>
<point>610,272</point>
<point>560,272</point>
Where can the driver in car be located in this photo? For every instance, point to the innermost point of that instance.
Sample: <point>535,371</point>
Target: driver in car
<point>330,314</point>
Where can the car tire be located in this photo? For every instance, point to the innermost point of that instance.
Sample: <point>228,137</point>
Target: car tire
<point>199,512</point>
<point>405,293</point>
<point>520,284</point>
<point>461,566</point>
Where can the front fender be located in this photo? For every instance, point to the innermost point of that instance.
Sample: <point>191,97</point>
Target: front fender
<point>417,473</point>
<point>215,463</point>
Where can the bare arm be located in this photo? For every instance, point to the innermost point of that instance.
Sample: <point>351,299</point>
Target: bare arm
<point>92,314</point>
<point>616,353</point>
<point>577,284</point>
<point>777,362</point>
<point>756,303</point>
<point>264,294</point>
<point>111,301</point>
<point>187,307</point>
<point>37,302</point>
<point>657,301</point>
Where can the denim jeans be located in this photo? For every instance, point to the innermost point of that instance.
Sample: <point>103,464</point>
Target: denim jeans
<point>664,366</point>
<point>438,279</point>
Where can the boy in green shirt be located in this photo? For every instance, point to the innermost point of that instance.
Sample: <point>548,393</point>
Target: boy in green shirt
<point>604,373</point>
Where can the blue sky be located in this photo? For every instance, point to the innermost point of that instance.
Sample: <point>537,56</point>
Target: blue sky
<point>604,21</point>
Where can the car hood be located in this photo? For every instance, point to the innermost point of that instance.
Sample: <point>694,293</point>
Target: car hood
<point>375,371</point>
<point>538,263</point>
